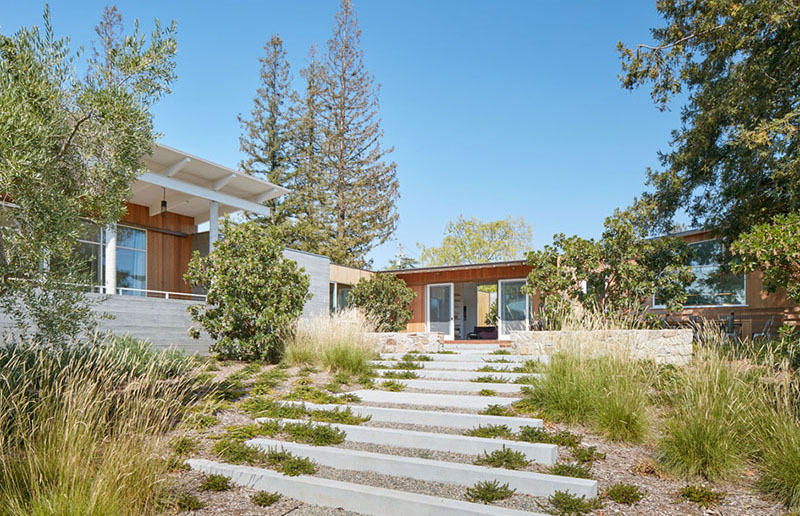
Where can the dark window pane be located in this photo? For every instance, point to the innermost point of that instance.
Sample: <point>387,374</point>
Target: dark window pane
<point>132,238</point>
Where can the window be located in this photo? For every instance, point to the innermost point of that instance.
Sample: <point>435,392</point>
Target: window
<point>712,285</point>
<point>131,259</point>
<point>90,250</point>
<point>131,256</point>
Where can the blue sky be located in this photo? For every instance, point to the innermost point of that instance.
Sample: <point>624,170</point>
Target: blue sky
<point>494,108</point>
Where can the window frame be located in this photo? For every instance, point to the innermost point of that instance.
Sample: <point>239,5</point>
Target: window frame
<point>731,305</point>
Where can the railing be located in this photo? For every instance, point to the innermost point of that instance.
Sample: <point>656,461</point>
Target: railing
<point>159,294</point>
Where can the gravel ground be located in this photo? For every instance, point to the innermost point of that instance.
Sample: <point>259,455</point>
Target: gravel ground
<point>438,489</point>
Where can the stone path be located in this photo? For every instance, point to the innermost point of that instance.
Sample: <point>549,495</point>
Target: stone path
<point>383,476</point>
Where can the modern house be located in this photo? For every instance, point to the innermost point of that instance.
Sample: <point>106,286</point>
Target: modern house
<point>448,298</point>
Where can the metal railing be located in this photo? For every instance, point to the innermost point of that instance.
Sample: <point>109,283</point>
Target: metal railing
<point>158,294</point>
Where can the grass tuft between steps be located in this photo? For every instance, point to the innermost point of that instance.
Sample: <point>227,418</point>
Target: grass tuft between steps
<point>488,491</point>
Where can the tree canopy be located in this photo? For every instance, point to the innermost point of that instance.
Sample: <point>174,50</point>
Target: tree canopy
<point>620,272</point>
<point>471,240</point>
<point>325,145</point>
<point>735,160</point>
<point>71,143</point>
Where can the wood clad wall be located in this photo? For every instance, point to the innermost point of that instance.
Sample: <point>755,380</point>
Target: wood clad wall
<point>418,280</point>
<point>167,255</point>
<point>348,275</point>
<point>760,305</point>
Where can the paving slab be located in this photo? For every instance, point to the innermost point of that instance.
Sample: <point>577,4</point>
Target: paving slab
<point>442,374</point>
<point>542,453</point>
<point>525,482</point>
<point>363,499</point>
<point>426,417</point>
<point>466,357</point>
<point>455,386</point>
<point>456,401</point>
<point>452,366</point>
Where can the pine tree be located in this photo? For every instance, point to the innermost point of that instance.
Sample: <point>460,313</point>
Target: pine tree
<point>308,201</point>
<point>363,186</point>
<point>266,137</point>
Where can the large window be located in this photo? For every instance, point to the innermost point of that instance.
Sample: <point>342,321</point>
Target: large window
<point>712,285</point>
<point>131,256</point>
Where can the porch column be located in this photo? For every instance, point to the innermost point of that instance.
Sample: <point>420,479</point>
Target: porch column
<point>111,259</point>
<point>213,225</point>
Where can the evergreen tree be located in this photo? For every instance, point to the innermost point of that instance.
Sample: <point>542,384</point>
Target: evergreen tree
<point>308,200</point>
<point>363,186</point>
<point>266,137</point>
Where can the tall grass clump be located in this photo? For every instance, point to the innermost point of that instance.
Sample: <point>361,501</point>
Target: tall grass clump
<point>82,427</point>
<point>591,382</point>
<point>338,342</point>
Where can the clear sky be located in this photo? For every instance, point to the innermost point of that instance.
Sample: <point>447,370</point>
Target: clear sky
<point>494,108</point>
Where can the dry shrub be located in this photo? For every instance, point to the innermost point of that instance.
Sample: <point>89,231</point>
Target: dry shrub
<point>339,342</point>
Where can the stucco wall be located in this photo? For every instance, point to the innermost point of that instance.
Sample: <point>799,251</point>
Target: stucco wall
<point>317,267</point>
<point>663,346</point>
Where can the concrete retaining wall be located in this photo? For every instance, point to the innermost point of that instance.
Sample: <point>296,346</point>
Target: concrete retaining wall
<point>162,322</point>
<point>663,346</point>
<point>396,342</point>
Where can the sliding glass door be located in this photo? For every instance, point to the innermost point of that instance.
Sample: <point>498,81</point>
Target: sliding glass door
<point>439,312</point>
<point>513,307</point>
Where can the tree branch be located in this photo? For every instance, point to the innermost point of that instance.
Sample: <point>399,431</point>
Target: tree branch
<point>72,135</point>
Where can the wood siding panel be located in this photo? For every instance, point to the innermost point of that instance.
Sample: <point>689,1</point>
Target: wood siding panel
<point>167,255</point>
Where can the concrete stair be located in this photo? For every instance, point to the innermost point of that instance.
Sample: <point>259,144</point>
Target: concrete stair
<point>447,378</point>
<point>452,366</point>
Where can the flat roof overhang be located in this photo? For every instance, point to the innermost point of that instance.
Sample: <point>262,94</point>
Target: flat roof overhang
<point>465,273</point>
<point>189,184</point>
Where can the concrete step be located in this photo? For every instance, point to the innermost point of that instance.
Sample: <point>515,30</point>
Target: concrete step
<point>442,374</point>
<point>472,348</point>
<point>465,357</point>
<point>426,417</point>
<point>451,366</point>
<point>525,482</point>
<point>454,386</point>
<point>542,453</point>
<point>457,401</point>
<point>373,501</point>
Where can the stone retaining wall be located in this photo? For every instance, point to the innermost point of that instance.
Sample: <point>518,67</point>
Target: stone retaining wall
<point>663,346</point>
<point>396,342</point>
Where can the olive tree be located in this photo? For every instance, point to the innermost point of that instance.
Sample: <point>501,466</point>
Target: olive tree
<point>254,294</point>
<point>71,142</point>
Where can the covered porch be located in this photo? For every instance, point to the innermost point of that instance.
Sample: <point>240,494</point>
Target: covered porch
<point>146,253</point>
<point>455,301</point>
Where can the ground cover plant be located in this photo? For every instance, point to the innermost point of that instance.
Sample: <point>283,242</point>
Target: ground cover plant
<point>265,499</point>
<point>215,483</point>
<point>503,458</point>
<point>627,494</point>
<point>488,491</point>
<point>562,503</point>
<point>391,385</point>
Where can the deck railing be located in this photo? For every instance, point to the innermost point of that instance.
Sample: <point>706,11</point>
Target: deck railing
<point>158,294</point>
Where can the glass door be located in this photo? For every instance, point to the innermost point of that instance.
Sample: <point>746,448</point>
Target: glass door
<point>513,307</point>
<point>439,312</point>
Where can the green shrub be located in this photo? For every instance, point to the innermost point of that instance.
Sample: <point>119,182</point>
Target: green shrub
<point>627,494</point>
<point>489,379</point>
<point>500,352</point>
<point>562,503</point>
<point>189,502</point>
<point>530,366</point>
<point>312,394</point>
<point>407,364</point>
<point>254,294</point>
<point>587,456</point>
<point>701,495</point>
<point>504,458</point>
<point>539,435</point>
<point>265,499</point>
<point>288,464</point>
<point>497,410</point>
<point>391,385</point>
<point>487,392</point>
<point>266,381</point>
<point>317,435</point>
<point>780,446</point>
<point>234,451</point>
<point>488,491</point>
<point>490,369</point>
<point>410,357</point>
<point>490,431</point>
<point>183,446</point>
<point>385,299</point>
<point>564,469</point>
<point>215,483</point>
<point>400,375</point>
